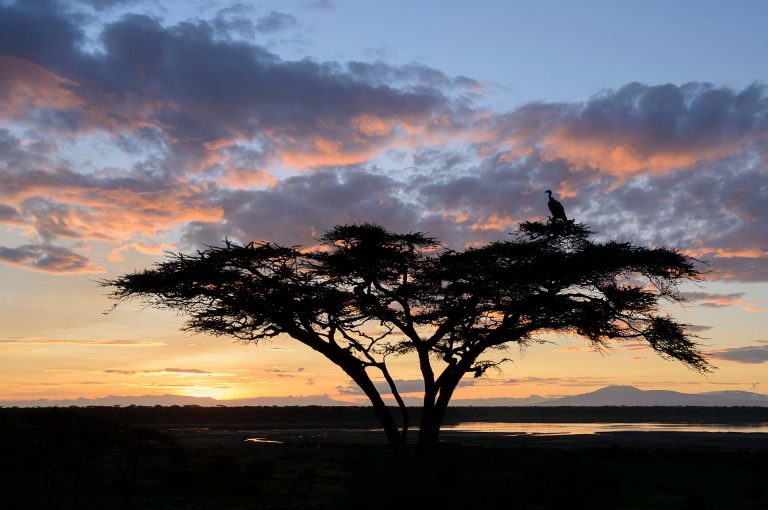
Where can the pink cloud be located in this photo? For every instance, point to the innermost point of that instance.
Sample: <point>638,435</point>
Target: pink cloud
<point>48,259</point>
<point>26,86</point>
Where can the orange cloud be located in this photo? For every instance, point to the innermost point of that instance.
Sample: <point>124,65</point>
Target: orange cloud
<point>622,156</point>
<point>327,153</point>
<point>116,255</point>
<point>26,86</point>
<point>114,215</point>
<point>246,177</point>
<point>494,222</point>
<point>371,125</point>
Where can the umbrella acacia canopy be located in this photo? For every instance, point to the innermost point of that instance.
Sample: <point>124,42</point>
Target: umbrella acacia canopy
<point>368,294</point>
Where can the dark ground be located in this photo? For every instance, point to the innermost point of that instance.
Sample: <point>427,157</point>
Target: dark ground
<point>197,458</point>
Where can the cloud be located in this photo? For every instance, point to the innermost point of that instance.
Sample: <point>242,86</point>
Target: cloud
<point>275,22</point>
<point>114,371</point>
<point>713,300</point>
<point>89,343</point>
<point>283,372</point>
<point>697,328</point>
<point>185,371</point>
<point>403,386</point>
<point>105,5</point>
<point>563,381</point>
<point>235,20</point>
<point>321,5</point>
<point>345,119</point>
<point>642,128</point>
<point>146,248</point>
<point>299,208</point>
<point>49,259</point>
<point>716,212</point>
<point>8,214</point>
<point>110,205</point>
<point>216,128</point>
<point>750,354</point>
<point>193,134</point>
<point>163,371</point>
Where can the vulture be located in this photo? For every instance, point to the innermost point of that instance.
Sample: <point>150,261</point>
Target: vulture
<point>556,208</point>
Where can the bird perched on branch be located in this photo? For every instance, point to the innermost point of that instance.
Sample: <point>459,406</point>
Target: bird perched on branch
<point>556,208</point>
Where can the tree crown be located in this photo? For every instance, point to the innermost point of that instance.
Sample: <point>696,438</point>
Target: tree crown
<point>452,305</point>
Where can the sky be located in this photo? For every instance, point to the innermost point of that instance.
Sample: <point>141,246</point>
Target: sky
<point>132,128</point>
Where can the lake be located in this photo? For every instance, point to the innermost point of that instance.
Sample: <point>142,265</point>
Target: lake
<point>601,428</point>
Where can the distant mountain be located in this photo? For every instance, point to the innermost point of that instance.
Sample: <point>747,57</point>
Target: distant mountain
<point>608,396</point>
<point>631,396</point>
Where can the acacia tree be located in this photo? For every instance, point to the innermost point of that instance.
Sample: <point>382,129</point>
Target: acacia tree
<point>371,294</point>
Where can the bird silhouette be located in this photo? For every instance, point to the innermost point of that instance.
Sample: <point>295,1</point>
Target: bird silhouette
<point>556,208</point>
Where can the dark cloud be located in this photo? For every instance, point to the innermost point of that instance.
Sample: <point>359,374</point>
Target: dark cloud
<point>497,187</point>
<point>696,328</point>
<point>50,259</point>
<point>641,128</point>
<point>714,300</point>
<point>39,32</point>
<point>185,371</point>
<point>670,119</point>
<point>203,93</point>
<point>380,73</point>
<point>719,213</point>
<point>8,214</point>
<point>105,5</point>
<point>300,208</point>
<point>281,372</point>
<point>751,354</point>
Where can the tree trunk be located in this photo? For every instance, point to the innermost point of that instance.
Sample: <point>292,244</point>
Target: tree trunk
<point>354,368</point>
<point>434,413</point>
<point>427,437</point>
<point>387,421</point>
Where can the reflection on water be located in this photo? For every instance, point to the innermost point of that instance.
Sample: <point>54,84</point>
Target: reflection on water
<point>262,440</point>
<point>600,428</point>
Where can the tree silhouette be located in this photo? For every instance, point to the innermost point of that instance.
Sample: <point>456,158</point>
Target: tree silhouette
<point>369,294</point>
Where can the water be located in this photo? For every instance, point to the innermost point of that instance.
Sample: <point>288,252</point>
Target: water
<point>262,440</point>
<point>539,429</point>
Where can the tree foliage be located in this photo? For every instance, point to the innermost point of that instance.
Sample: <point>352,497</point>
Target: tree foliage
<point>369,294</point>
